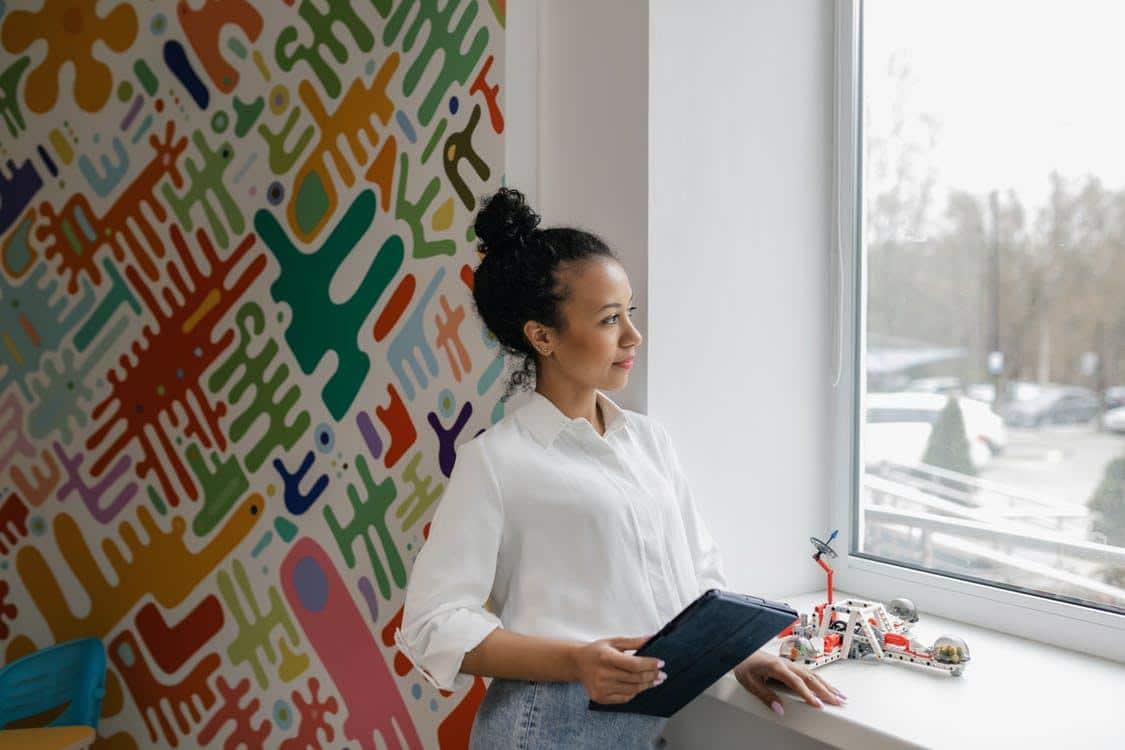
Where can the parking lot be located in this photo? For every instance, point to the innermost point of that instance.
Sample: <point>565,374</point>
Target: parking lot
<point>1063,462</point>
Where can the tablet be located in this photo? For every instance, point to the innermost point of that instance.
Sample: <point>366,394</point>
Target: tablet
<point>703,642</point>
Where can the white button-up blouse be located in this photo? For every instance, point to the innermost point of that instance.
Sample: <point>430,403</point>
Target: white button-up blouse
<point>571,534</point>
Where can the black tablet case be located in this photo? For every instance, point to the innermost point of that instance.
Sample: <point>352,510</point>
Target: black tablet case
<point>703,642</point>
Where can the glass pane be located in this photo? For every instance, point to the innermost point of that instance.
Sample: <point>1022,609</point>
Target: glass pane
<point>993,410</point>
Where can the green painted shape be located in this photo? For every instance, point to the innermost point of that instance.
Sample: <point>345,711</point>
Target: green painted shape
<point>255,628</point>
<point>322,28</point>
<point>318,324</point>
<point>414,214</point>
<point>286,529</point>
<point>283,429</point>
<point>444,41</point>
<point>157,503</point>
<point>145,76</point>
<point>221,488</point>
<point>68,230</point>
<point>237,48</point>
<point>282,158</point>
<point>9,102</point>
<point>245,115</point>
<point>312,202</point>
<point>438,133</point>
<point>206,188</point>
<point>370,512</point>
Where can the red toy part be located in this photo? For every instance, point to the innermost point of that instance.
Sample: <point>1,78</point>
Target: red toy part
<point>896,640</point>
<point>832,642</point>
<point>827,570</point>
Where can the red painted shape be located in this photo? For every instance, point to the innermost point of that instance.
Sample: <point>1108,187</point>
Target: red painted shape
<point>396,306</point>
<point>172,646</point>
<point>397,421</point>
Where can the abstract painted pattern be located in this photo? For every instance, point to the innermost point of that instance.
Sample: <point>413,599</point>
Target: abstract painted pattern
<point>238,351</point>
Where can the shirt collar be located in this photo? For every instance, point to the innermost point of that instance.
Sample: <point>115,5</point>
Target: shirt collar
<point>546,421</point>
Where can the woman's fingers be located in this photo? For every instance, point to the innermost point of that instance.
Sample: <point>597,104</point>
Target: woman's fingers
<point>820,687</point>
<point>757,687</point>
<point>795,681</point>
<point>638,678</point>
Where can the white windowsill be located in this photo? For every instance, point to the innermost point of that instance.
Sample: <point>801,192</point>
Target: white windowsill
<point>1014,693</point>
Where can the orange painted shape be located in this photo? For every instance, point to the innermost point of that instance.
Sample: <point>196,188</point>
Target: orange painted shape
<point>202,26</point>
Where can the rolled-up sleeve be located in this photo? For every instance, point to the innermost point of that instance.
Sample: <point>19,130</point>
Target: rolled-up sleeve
<point>444,616</point>
<point>705,553</point>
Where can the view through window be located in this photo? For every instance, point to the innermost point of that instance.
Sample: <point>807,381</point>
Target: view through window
<point>993,412</point>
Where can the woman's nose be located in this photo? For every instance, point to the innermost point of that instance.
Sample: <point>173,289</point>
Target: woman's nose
<point>634,335</point>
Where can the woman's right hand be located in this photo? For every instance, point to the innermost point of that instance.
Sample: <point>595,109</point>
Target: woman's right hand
<point>612,676</point>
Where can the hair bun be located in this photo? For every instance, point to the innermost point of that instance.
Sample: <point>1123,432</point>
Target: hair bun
<point>505,222</point>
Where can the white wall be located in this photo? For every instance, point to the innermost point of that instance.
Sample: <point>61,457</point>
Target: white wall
<point>593,138</point>
<point>740,214</point>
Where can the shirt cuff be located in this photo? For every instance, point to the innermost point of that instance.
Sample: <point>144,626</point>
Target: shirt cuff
<point>438,648</point>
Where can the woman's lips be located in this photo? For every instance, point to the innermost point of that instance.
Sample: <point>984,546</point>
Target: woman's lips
<point>628,363</point>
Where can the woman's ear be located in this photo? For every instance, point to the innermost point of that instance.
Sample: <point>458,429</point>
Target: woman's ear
<point>540,337</point>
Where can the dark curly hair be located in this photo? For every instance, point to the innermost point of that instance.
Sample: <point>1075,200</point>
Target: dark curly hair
<point>516,282</point>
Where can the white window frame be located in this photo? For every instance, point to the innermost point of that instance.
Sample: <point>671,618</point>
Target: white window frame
<point>1062,624</point>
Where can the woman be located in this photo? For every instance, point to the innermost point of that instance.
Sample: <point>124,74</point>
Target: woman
<point>570,514</point>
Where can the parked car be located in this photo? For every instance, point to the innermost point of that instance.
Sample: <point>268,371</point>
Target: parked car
<point>1015,390</point>
<point>1054,405</point>
<point>1115,397</point>
<point>1114,420</point>
<point>898,427</point>
<point>934,385</point>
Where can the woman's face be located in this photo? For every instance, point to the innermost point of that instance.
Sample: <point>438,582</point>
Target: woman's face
<point>596,347</point>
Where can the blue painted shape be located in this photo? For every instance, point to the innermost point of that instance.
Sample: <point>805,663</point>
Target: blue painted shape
<point>407,128</point>
<point>295,501</point>
<point>176,59</point>
<point>47,160</point>
<point>311,584</point>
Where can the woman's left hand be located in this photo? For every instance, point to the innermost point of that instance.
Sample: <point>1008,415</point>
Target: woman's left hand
<point>755,669</point>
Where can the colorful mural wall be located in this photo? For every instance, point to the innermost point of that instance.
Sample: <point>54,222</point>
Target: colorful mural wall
<point>237,350</point>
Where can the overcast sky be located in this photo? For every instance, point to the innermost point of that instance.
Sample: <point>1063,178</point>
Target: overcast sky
<point>1020,88</point>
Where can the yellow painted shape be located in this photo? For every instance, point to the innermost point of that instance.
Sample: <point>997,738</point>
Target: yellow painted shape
<point>443,217</point>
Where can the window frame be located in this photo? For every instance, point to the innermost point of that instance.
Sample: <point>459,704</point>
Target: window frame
<point>1063,624</point>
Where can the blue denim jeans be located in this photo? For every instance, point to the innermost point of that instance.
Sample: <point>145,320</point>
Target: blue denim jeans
<point>526,715</point>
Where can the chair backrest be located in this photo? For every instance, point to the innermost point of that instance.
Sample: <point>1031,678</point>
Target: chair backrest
<point>73,671</point>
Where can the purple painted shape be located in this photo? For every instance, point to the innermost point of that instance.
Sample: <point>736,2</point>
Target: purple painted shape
<point>92,496</point>
<point>368,592</point>
<point>134,108</point>
<point>447,451</point>
<point>370,436</point>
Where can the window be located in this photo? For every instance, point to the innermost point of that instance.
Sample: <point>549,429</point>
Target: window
<point>982,218</point>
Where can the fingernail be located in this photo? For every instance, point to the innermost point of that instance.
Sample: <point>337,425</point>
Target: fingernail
<point>662,677</point>
<point>839,693</point>
<point>777,709</point>
<point>659,663</point>
<point>817,703</point>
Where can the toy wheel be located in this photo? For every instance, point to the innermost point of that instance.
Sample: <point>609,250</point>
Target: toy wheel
<point>838,625</point>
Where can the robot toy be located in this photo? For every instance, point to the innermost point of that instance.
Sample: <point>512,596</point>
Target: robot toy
<point>858,629</point>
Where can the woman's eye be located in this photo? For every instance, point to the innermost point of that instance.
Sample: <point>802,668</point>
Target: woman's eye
<point>613,318</point>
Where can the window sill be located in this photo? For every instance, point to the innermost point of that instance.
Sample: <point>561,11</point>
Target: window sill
<point>1014,693</point>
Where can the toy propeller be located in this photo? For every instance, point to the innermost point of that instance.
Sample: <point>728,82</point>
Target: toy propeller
<point>823,548</point>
